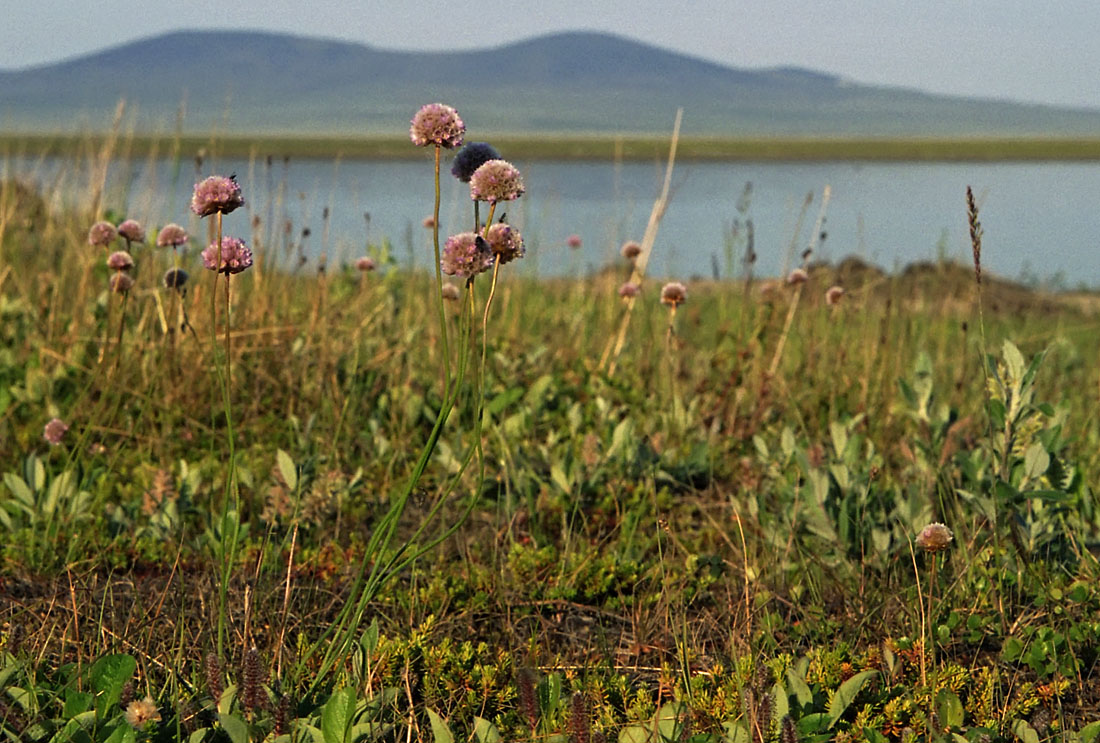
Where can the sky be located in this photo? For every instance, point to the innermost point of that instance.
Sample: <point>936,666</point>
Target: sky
<point>1011,49</point>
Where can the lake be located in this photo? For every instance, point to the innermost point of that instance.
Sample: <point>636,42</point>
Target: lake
<point>1041,220</point>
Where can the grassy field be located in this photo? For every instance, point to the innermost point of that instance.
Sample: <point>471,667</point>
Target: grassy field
<point>335,507</point>
<point>593,147</point>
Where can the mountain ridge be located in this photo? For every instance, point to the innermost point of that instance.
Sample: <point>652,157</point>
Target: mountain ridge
<point>266,82</point>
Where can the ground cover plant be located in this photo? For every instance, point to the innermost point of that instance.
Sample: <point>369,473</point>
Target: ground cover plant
<point>240,502</point>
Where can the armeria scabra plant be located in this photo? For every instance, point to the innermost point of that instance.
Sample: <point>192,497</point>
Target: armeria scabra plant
<point>219,195</point>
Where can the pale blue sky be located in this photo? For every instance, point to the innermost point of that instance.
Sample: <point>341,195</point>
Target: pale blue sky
<point>1017,49</point>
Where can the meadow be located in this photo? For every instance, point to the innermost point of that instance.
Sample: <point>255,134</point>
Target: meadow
<point>344,507</point>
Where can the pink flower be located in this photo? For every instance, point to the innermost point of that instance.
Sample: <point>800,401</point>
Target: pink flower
<point>234,258</point>
<point>120,260</point>
<point>171,236</point>
<point>798,276</point>
<point>437,124</point>
<point>631,250</point>
<point>121,282</point>
<point>833,295</point>
<point>365,264</point>
<point>466,255</point>
<point>574,241</point>
<point>629,289</point>
<point>216,194</point>
<point>102,234</point>
<point>673,294</point>
<point>505,242</point>
<point>496,180</point>
<point>132,231</point>
<point>54,431</point>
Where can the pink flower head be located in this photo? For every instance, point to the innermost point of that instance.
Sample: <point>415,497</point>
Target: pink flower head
<point>505,242</point>
<point>171,236</point>
<point>629,289</point>
<point>54,431</point>
<point>120,260</point>
<point>934,538</point>
<point>833,295</point>
<point>466,255</point>
<point>437,124</point>
<point>429,221</point>
<point>121,282</point>
<point>798,276</point>
<point>673,294</point>
<point>451,292</point>
<point>132,231</point>
<point>216,194</point>
<point>102,234</point>
<point>631,250</point>
<point>365,264</point>
<point>234,257</point>
<point>496,180</point>
<point>574,241</point>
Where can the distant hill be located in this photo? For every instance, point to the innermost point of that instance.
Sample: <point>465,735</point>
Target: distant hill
<point>264,83</point>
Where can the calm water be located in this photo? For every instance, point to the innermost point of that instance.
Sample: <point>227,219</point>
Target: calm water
<point>1041,220</point>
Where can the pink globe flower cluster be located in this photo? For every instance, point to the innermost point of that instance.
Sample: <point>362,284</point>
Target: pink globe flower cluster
<point>673,294</point>
<point>171,236</point>
<point>216,194</point>
<point>495,181</point>
<point>131,231</point>
<point>102,234</point>
<point>437,124</point>
<point>121,262</point>
<point>233,257</point>
<point>466,255</point>
<point>54,431</point>
<point>505,241</point>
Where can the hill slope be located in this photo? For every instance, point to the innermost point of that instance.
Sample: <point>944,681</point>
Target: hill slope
<point>273,83</point>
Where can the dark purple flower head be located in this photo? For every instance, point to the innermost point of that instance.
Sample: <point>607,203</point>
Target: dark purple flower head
<point>121,282</point>
<point>234,258</point>
<point>470,158</point>
<point>216,194</point>
<point>505,242</point>
<point>175,278</point>
<point>466,255</point>
<point>132,231</point>
<point>102,234</point>
<point>496,180</point>
<point>171,236</point>
<point>120,260</point>
<point>437,124</point>
<point>673,294</point>
<point>54,431</point>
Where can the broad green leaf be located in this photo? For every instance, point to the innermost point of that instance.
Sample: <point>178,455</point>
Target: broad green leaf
<point>287,469</point>
<point>796,682</point>
<point>485,731</point>
<point>1036,461</point>
<point>234,727</point>
<point>782,705</point>
<point>667,720</point>
<point>109,674</point>
<point>1014,360</point>
<point>440,732</point>
<point>123,733</point>
<point>634,734</point>
<point>735,733</point>
<point>19,489</point>
<point>949,708</point>
<point>1089,733</point>
<point>338,715</point>
<point>846,694</point>
<point>1025,732</point>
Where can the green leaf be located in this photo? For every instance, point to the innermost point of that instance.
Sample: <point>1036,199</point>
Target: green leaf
<point>1025,732</point>
<point>440,732</point>
<point>634,734</point>
<point>1036,461</point>
<point>813,723</point>
<point>109,674</point>
<point>338,715</point>
<point>234,727</point>
<point>846,694</point>
<point>949,708</point>
<point>1012,649</point>
<point>796,682</point>
<point>1089,733</point>
<point>667,720</point>
<point>1014,360</point>
<point>735,733</point>
<point>485,731</point>
<point>122,733</point>
<point>287,469</point>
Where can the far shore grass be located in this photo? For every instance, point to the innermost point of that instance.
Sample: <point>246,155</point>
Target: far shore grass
<point>582,147</point>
